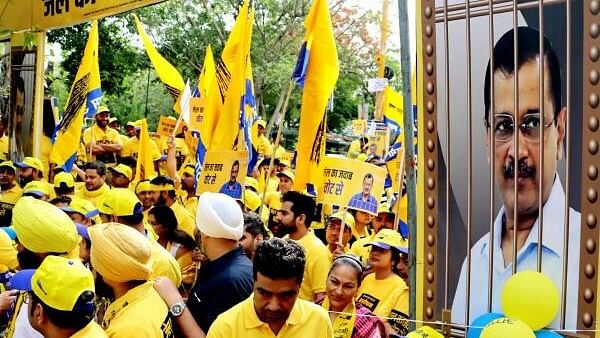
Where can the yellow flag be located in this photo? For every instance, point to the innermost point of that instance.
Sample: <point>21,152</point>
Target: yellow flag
<point>209,91</point>
<point>317,70</point>
<point>84,98</point>
<point>144,168</point>
<point>167,73</point>
<point>231,74</point>
<point>393,109</point>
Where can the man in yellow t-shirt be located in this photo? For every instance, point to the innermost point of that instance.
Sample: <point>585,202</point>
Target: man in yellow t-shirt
<point>104,141</point>
<point>61,298</point>
<point>274,310</point>
<point>10,192</point>
<point>130,148</point>
<point>125,208</point>
<point>114,123</point>
<point>273,202</point>
<point>296,214</point>
<point>3,139</point>
<point>95,188</point>
<point>122,257</point>
<point>260,141</point>
<point>32,169</point>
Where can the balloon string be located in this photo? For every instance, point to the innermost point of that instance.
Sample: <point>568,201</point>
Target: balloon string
<point>453,324</point>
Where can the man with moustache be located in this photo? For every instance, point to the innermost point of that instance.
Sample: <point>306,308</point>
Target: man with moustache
<point>105,142</point>
<point>10,192</point>
<point>296,214</point>
<point>163,188</point>
<point>524,165</point>
<point>95,188</point>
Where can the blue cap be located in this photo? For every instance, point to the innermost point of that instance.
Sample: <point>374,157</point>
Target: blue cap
<point>22,280</point>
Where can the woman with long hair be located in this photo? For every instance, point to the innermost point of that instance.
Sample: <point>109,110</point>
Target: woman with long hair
<point>383,291</point>
<point>349,318</point>
<point>178,243</point>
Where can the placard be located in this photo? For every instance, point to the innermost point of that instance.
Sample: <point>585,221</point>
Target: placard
<point>396,169</point>
<point>377,85</point>
<point>197,107</point>
<point>359,127</point>
<point>223,171</point>
<point>166,125</point>
<point>351,183</point>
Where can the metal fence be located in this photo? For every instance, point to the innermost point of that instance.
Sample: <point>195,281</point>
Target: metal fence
<point>497,147</point>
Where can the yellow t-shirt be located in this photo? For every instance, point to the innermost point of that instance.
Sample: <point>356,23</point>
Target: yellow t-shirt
<point>92,330</point>
<point>12,195</point>
<point>4,147</point>
<point>124,138</point>
<point>361,251</point>
<point>99,136</point>
<point>354,149</point>
<point>273,184</point>
<point>305,320</point>
<point>272,206</point>
<point>139,313</point>
<point>96,197</point>
<point>386,298</point>
<point>130,148</point>
<point>316,268</point>
<point>185,221</point>
<point>280,152</point>
<point>263,146</point>
<point>163,264</point>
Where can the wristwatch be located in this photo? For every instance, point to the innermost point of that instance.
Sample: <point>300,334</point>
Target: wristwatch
<point>177,309</point>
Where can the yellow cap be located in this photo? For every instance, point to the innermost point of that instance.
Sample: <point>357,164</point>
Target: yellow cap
<point>143,186</point>
<point>41,227</point>
<point>384,207</point>
<point>251,182</point>
<point>261,123</point>
<point>287,173</point>
<point>64,178</point>
<point>123,170</point>
<point>58,282</point>
<point>121,202</point>
<point>285,163</point>
<point>130,124</point>
<point>102,109</point>
<point>112,119</point>
<point>8,252</point>
<point>31,162</point>
<point>8,164</point>
<point>189,169</point>
<point>251,200</point>
<point>82,206</point>
<point>37,188</point>
<point>348,219</point>
<point>387,239</point>
<point>361,157</point>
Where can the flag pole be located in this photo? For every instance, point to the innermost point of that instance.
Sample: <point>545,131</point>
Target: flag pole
<point>277,140</point>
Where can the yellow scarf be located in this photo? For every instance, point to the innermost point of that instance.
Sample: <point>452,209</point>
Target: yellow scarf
<point>343,325</point>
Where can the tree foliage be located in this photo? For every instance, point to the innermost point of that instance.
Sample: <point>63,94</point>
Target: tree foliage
<point>182,30</point>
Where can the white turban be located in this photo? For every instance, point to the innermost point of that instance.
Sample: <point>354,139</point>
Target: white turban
<point>219,216</point>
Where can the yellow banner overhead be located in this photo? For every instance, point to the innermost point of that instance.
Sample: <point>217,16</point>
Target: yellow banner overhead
<point>23,15</point>
<point>351,183</point>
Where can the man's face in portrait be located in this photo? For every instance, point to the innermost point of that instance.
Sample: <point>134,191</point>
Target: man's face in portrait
<point>528,122</point>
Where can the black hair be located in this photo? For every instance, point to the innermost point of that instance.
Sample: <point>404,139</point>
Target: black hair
<point>350,261</point>
<point>368,175</point>
<point>235,163</point>
<point>254,225</point>
<point>82,314</point>
<point>277,258</point>
<point>96,165</point>
<point>60,199</point>
<point>128,161</point>
<point>162,180</point>
<point>301,204</point>
<point>164,216</point>
<point>527,50</point>
<point>63,189</point>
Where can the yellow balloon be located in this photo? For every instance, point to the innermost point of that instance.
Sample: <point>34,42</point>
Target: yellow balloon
<point>531,297</point>
<point>425,331</point>
<point>507,328</point>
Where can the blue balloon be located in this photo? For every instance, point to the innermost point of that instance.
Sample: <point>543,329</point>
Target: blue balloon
<point>480,322</point>
<point>547,334</point>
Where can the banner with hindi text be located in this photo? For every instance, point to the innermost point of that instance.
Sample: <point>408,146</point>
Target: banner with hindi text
<point>351,183</point>
<point>223,171</point>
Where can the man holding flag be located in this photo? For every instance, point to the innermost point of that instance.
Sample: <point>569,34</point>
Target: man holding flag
<point>103,142</point>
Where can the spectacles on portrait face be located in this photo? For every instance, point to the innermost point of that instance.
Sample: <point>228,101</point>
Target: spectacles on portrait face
<point>504,128</point>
